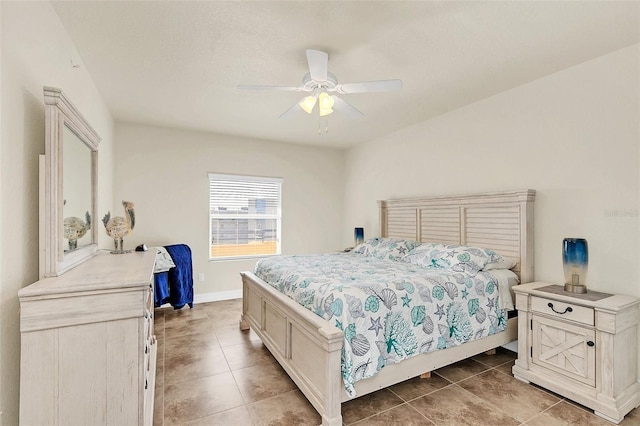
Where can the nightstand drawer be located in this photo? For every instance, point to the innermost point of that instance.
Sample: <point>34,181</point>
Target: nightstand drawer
<point>567,311</point>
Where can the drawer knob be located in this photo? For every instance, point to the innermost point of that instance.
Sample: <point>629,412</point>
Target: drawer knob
<point>568,309</point>
<point>590,343</point>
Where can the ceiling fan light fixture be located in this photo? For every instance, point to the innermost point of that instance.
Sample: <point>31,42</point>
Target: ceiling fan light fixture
<point>319,82</point>
<point>308,103</point>
<point>325,111</point>
<point>325,103</point>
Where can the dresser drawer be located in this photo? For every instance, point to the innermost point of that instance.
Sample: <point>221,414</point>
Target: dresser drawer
<point>566,311</point>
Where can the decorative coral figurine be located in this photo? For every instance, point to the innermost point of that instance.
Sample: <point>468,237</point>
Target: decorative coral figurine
<point>119,227</point>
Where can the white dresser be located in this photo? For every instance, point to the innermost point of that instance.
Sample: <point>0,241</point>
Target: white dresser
<point>581,346</point>
<point>88,348</point>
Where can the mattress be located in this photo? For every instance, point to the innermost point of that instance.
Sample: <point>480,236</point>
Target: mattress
<point>389,310</point>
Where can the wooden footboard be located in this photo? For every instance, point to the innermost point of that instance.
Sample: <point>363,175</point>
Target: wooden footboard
<point>309,348</point>
<point>305,345</point>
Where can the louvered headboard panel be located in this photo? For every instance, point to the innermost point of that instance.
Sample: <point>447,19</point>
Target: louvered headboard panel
<point>403,222</point>
<point>501,221</point>
<point>439,224</point>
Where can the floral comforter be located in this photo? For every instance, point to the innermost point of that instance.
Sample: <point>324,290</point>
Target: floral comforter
<point>388,310</point>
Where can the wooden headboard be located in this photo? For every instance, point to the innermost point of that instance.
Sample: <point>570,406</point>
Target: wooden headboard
<point>501,221</point>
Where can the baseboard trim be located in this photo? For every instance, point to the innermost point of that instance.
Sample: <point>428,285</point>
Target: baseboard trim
<point>217,296</point>
<point>211,297</point>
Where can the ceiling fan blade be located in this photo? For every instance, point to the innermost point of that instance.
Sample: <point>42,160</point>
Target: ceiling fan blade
<point>346,108</point>
<point>318,63</point>
<point>370,86</point>
<point>285,88</point>
<point>293,110</point>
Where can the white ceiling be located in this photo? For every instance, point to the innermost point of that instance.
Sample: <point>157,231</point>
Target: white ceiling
<point>177,64</point>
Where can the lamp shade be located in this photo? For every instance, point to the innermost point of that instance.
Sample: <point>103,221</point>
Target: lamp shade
<point>325,103</point>
<point>308,103</point>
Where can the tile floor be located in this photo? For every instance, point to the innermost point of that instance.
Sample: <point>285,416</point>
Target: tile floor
<point>211,373</point>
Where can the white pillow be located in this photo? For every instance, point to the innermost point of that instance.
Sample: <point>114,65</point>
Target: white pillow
<point>500,263</point>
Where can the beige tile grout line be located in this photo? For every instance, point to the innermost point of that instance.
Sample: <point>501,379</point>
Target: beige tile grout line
<point>560,397</point>
<point>389,409</point>
<point>489,367</point>
<point>543,411</point>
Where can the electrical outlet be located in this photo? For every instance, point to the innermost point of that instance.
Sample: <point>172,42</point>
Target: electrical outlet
<point>201,276</point>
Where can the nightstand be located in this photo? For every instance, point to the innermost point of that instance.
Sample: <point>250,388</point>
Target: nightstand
<point>581,346</point>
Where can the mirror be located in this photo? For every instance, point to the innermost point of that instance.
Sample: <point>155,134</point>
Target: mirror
<point>68,187</point>
<point>76,192</point>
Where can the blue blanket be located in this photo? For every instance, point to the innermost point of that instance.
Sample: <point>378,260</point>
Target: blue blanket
<point>176,285</point>
<point>161,285</point>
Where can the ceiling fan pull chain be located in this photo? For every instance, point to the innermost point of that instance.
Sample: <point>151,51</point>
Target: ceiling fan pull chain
<point>326,125</point>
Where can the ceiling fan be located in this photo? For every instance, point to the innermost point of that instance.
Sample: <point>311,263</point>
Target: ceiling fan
<point>323,88</point>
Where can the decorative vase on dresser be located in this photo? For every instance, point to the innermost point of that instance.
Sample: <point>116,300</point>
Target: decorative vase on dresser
<point>88,353</point>
<point>581,346</point>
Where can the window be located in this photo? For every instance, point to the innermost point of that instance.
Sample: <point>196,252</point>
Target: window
<point>244,216</point>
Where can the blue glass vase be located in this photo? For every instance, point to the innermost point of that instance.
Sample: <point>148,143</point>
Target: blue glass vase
<point>358,235</point>
<point>575,262</point>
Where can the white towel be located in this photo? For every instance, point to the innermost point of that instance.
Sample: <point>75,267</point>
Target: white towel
<point>164,262</point>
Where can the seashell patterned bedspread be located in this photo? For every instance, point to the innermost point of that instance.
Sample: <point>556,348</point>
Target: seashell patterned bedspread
<point>388,310</point>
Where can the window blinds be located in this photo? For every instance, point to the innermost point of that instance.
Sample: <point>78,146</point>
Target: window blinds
<point>244,215</point>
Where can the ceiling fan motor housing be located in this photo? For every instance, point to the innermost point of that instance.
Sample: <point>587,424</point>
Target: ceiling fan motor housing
<point>312,85</point>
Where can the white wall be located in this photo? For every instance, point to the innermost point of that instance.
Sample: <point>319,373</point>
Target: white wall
<point>165,173</point>
<point>2,401</point>
<point>36,52</point>
<point>573,136</point>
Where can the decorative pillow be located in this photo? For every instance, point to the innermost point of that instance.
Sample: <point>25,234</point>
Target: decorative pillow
<point>449,257</point>
<point>386,248</point>
<point>498,262</point>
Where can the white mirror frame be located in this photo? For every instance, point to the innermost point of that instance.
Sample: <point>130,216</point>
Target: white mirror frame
<point>60,112</point>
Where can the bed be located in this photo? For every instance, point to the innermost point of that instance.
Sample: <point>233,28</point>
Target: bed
<point>309,348</point>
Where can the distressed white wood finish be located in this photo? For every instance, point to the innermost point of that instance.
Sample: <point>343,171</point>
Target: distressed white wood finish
<point>553,349</point>
<point>60,112</point>
<point>308,347</point>
<point>502,221</point>
<point>88,352</point>
<point>567,311</point>
<point>563,347</point>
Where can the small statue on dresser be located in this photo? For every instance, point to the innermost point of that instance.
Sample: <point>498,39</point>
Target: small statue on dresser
<point>119,227</point>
